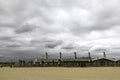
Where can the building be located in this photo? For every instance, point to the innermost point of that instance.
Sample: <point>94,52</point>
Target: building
<point>103,62</point>
<point>118,63</point>
<point>69,62</point>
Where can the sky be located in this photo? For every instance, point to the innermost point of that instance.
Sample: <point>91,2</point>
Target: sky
<point>29,28</point>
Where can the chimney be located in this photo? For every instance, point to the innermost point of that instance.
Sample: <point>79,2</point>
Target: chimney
<point>46,54</point>
<point>75,55</point>
<point>60,55</point>
<point>89,55</point>
<point>104,55</point>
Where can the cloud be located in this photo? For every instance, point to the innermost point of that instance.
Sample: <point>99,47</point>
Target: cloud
<point>99,48</point>
<point>47,43</point>
<point>24,29</point>
<point>37,26</point>
<point>69,46</point>
<point>53,44</point>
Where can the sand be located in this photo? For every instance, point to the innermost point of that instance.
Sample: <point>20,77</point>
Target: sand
<point>58,73</point>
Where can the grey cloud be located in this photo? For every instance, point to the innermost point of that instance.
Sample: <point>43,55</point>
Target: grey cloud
<point>100,49</point>
<point>58,24</point>
<point>53,44</point>
<point>106,18</point>
<point>69,46</point>
<point>42,40</point>
<point>24,29</point>
<point>14,46</point>
<point>47,43</point>
<point>10,45</point>
<point>6,38</point>
<point>11,25</point>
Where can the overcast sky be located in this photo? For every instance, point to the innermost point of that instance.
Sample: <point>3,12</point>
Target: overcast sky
<point>29,28</point>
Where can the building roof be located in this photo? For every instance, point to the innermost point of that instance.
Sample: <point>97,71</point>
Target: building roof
<point>46,60</point>
<point>110,59</point>
<point>67,59</point>
<point>118,61</point>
